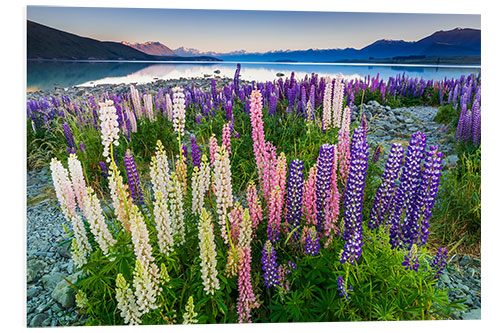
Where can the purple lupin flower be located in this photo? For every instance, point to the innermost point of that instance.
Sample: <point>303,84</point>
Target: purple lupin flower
<point>195,152</point>
<point>311,246</point>
<point>104,169</point>
<point>342,287</point>
<point>133,179</point>
<point>407,190</point>
<point>385,192</point>
<point>69,139</point>
<point>273,102</point>
<point>269,265</point>
<point>185,153</point>
<point>294,195</point>
<point>323,181</point>
<point>82,147</point>
<point>439,262</point>
<point>353,200</point>
<point>416,222</point>
<point>376,154</point>
<point>476,123</point>
<point>237,79</point>
<point>411,261</point>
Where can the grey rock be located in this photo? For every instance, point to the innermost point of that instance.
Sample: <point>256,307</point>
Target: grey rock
<point>38,320</point>
<point>33,268</point>
<point>51,280</point>
<point>65,250</point>
<point>46,322</point>
<point>32,292</point>
<point>474,314</point>
<point>452,160</point>
<point>63,292</point>
<point>465,261</point>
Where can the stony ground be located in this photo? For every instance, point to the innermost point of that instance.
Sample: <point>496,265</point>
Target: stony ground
<point>49,298</point>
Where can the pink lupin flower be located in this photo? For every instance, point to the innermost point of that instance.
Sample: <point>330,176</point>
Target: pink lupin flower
<point>343,146</point>
<point>246,298</point>
<point>213,149</point>
<point>277,198</point>
<point>235,221</point>
<point>254,205</point>
<point>226,137</point>
<point>310,197</point>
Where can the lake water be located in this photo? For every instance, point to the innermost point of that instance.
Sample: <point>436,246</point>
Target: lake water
<point>43,75</point>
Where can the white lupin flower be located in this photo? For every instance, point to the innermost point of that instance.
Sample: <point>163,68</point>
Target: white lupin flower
<point>80,247</point>
<point>200,184</point>
<point>245,236</point>
<point>109,127</point>
<point>223,188</point>
<point>146,289</point>
<point>163,223</point>
<point>98,226</point>
<point>190,316</point>
<point>63,188</point>
<point>159,171</point>
<point>148,106</point>
<point>77,179</point>
<point>177,209</point>
<point>338,99</point>
<point>207,253</point>
<point>126,302</point>
<point>327,105</point>
<point>179,110</point>
<point>119,203</point>
<point>168,102</point>
<point>146,276</point>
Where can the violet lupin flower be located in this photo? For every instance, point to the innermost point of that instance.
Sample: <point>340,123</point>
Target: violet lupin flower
<point>407,190</point>
<point>311,246</point>
<point>104,169</point>
<point>353,204</point>
<point>185,153</point>
<point>323,182</point>
<point>411,259</point>
<point>82,147</point>
<point>195,152</point>
<point>439,262</point>
<point>69,139</point>
<point>237,79</point>
<point>416,222</point>
<point>294,195</point>
<point>385,192</point>
<point>376,154</point>
<point>133,179</point>
<point>269,265</point>
<point>342,287</point>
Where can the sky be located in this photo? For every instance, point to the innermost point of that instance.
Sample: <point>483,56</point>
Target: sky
<point>250,30</point>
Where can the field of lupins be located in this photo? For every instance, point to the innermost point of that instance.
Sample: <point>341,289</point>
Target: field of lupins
<point>256,202</point>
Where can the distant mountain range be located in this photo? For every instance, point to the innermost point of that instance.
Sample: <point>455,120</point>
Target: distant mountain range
<point>154,48</point>
<point>48,43</point>
<point>453,44</point>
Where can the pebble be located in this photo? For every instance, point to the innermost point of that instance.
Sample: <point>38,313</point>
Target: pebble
<point>45,264</point>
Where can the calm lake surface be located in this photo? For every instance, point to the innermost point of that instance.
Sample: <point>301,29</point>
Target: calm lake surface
<point>45,75</point>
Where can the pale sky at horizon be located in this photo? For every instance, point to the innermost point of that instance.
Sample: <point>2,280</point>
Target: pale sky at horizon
<point>253,31</point>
